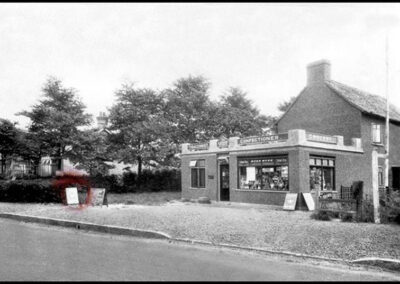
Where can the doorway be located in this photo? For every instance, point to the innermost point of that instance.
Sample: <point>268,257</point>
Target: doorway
<point>224,182</point>
<point>396,177</point>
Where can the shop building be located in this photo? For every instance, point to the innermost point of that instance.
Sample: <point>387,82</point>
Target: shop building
<point>323,141</point>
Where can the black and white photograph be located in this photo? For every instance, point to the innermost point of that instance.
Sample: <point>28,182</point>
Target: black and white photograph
<point>199,141</point>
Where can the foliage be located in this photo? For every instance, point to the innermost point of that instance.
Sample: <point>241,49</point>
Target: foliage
<point>284,106</point>
<point>91,152</point>
<point>136,125</point>
<point>9,135</point>
<point>56,119</point>
<point>321,215</point>
<point>347,217</point>
<point>38,191</point>
<point>237,116</point>
<point>153,181</point>
<point>188,111</point>
<point>390,208</point>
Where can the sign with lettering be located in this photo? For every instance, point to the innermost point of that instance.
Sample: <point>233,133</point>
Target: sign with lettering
<point>309,201</point>
<point>263,139</point>
<point>97,196</point>
<point>290,201</point>
<point>198,147</point>
<point>223,143</point>
<point>71,194</point>
<point>322,138</point>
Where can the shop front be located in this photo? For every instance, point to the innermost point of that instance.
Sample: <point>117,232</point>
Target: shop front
<point>264,169</point>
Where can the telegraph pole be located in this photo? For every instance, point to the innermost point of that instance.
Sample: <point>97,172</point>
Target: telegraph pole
<point>387,117</point>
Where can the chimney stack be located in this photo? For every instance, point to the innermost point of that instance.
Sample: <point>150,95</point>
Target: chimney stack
<point>318,72</point>
<point>102,120</point>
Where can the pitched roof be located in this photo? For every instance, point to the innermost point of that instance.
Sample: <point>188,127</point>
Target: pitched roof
<point>365,102</point>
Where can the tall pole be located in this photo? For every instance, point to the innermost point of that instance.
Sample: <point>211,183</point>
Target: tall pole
<point>387,117</point>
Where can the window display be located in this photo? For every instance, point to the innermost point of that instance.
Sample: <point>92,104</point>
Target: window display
<point>322,173</point>
<point>268,173</point>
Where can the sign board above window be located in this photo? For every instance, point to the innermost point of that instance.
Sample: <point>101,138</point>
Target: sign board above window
<point>321,138</point>
<point>198,147</point>
<point>263,139</point>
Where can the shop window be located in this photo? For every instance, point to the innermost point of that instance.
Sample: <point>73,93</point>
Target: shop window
<point>380,176</point>
<point>322,173</point>
<point>376,133</point>
<point>198,173</point>
<point>264,173</point>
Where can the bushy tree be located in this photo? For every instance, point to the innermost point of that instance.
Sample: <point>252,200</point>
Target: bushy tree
<point>237,116</point>
<point>57,118</point>
<point>136,125</point>
<point>9,141</point>
<point>188,111</point>
<point>284,106</point>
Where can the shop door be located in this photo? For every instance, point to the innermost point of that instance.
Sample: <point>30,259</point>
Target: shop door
<point>224,182</point>
<point>396,177</point>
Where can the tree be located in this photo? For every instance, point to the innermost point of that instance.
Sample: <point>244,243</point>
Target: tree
<point>188,110</point>
<point>284,106</point>
<point>91,153</point>
<point>9,141</point>
<point>56,119</point>
<point>136,124</point>
<point>237,116</point>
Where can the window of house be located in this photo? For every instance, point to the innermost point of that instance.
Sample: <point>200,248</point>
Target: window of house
<point>264,173</point>
<point>322,173</point>
<point>380,176</point>
<point>376,133</point>
<point>198,173</point>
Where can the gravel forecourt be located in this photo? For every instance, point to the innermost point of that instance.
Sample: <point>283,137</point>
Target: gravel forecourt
<point>260,226</point>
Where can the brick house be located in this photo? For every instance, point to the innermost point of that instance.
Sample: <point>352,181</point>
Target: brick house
<point>323,141</point>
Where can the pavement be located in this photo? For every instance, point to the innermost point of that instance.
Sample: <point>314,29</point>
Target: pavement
<point>377,262</point>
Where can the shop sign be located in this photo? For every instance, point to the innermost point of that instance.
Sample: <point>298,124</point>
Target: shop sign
<point>97,196</point>
<point>198,147</point>
<point>309,201</point>
<point>321,138</point>
<point>290,201</point>
<point>263,139</point>
<point>72,195</point>
<point>255,162</point>
<point>223,143</point>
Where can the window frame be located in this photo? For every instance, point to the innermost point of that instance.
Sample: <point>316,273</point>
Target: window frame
<point>200,182</point>
<point>321,167</point>
<point>376,127</point>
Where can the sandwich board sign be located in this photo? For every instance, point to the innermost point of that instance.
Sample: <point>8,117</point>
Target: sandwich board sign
<point>71,194</point>
<point>98,196</point>
<point>309,201</point>
<point>290,201</point>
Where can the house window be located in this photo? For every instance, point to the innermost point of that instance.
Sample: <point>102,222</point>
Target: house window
<point>322,173</point>
<point>380,176</point>
<point>198,173</point>
<point>264,173</point>
<point>376,133</point>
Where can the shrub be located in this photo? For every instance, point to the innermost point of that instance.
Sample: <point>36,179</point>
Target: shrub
<point>390,208</point>
<point>321,215</point>
<point>39,191</point>
<point>347,217</point>
<point>152,181</point>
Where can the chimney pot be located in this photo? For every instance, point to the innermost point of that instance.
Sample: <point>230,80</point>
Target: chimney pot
<point>318,72</point>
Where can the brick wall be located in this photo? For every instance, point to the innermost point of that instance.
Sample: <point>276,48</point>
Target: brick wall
<point>318,109</point>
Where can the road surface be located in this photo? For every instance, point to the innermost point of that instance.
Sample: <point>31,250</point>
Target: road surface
<point>38,252</point>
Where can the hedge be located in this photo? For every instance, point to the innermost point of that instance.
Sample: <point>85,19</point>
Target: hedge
<point>52,190</point>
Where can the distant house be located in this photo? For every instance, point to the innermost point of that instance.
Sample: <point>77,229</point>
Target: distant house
<point>324,140</point>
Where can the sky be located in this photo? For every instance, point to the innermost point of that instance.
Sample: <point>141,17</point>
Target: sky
<point>263,48</point>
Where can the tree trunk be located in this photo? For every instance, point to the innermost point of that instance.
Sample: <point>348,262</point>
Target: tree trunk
<point>59,162</point>
<point>140,166</point>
